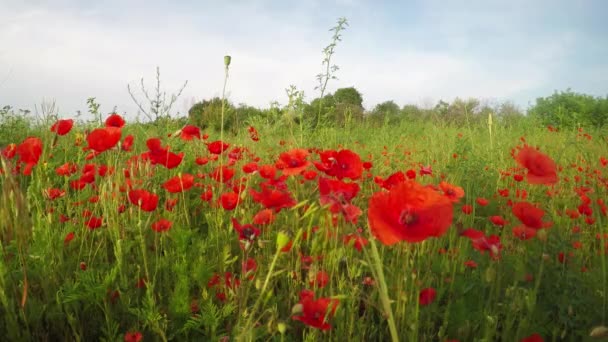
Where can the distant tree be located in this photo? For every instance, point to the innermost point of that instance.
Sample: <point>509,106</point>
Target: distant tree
<point>507,113</point>
<point>569,109</point>
<point>386,112</point>
<point>349,96</point>
<point>208,114</point>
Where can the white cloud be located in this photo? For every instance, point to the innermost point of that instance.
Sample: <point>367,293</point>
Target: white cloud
<point>70,53</point>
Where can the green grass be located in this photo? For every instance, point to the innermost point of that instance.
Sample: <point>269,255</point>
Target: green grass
<point>526,291</point>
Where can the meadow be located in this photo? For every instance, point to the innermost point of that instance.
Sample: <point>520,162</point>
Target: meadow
<point>411,232</point>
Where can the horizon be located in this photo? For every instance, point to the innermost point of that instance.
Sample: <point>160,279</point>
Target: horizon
<point>415,53</point>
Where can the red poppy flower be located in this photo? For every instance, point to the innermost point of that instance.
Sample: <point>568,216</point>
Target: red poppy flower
<point>454,193</point>
<point>147,201</point>
<point>426,170</point>
<point>533,338</point>
<point>253,133</point>
<point>127,143</point>
<point>94,222</point>
<point>482,201</point>
<point>223,174</point>
<point>161,155</point>
<point>357,241</point>
<point>541,168</point>
<point>190,132</point>
<point>497,220</point>
<point>9,151</point>
<point>102,139</point>
<point>29,152</point>
<point>427,296</point>
<point>529,215</point>
<point>68,238</point>
<point>524,232</point>
<point>115,120</point>
<point>393,180</point>
<point>133,336</point>
<point>411,174</point>
<point>293,162</point>
<point>179,184</point>
<point>54,193</point>
<point>320,280</point>
<point>340,164</point>
<point>249,267</point>
<point>62,127</point>
<point>246,232</point>
<point>273,197</point>
<point>264,217</point>
<point>162,225</point>
<point>316,313</point>
<point>217,147</point>
<point>229,200</point>
<point>409,212</point>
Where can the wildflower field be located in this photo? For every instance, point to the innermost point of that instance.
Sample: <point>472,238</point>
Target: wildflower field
<point>412,232</point>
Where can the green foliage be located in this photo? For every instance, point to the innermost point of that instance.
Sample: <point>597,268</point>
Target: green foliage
<point>208,114</point>
<point>14,126</point>
<point>571,109</point>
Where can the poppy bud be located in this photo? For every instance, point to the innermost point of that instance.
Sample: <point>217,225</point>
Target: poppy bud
<point>227,60</point>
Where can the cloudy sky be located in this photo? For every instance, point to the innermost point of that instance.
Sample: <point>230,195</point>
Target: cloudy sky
<point>408,51</point>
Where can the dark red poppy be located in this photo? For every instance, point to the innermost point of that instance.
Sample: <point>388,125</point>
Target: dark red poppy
<point>533,338</point>
<point>427,296</point>
<point>115,120</point>
<point>316,313</point>
<point>409,212</point>
<point>103,139</point>
<point>179,183</point>
<point>248,268</point>
<point>144,199</point>
<point>541,168</point>
<point>162,225</point>
<point>63,126</point>
<point>246,232</point>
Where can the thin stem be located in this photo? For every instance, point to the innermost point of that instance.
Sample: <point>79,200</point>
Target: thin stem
<point>386,302</point>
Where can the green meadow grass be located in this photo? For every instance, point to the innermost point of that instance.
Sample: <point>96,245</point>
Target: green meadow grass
<point>45,295</point>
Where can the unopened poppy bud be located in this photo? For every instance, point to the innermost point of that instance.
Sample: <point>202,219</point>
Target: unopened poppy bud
<point>297,309</point>
<point>227,60</point>
<point>599,332</point>
<point>541,235</point>
<point>282,327</point>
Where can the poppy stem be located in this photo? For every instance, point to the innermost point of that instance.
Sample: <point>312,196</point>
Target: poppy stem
<point>386,302</point>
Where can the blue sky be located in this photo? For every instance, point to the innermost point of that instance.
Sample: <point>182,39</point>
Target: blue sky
<point>408,51</point>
